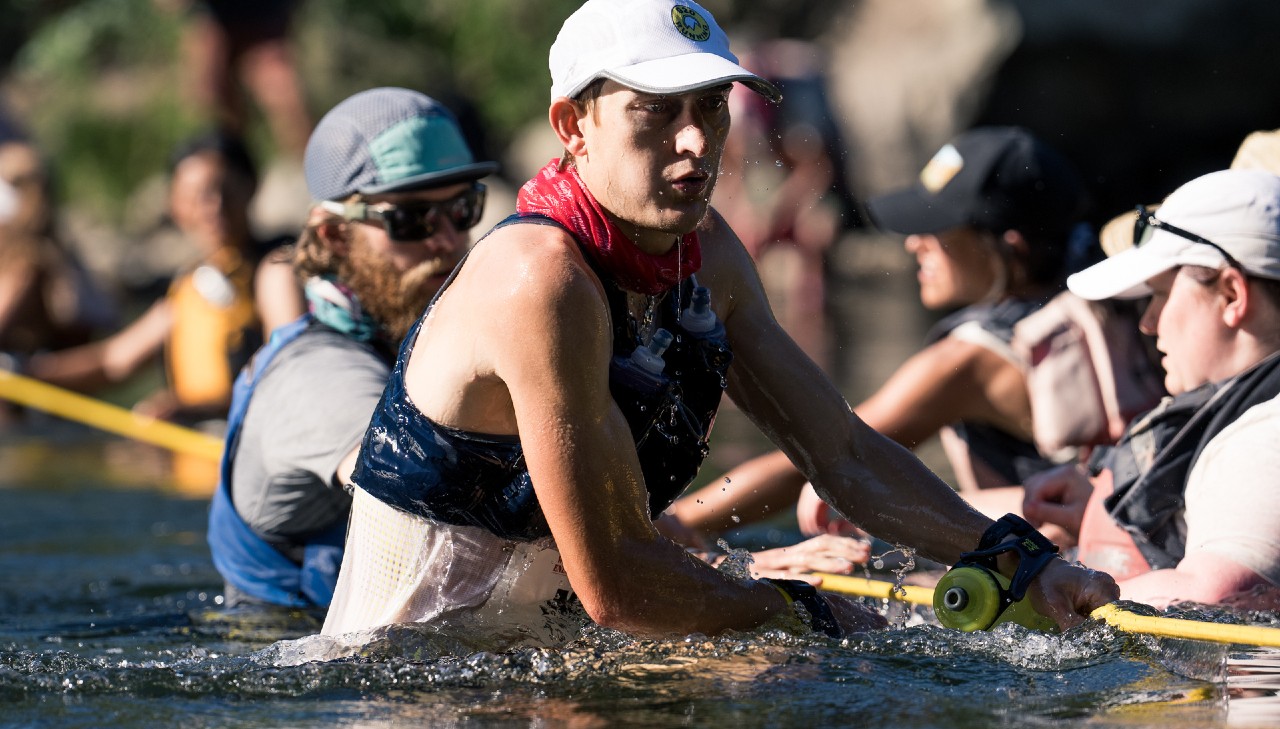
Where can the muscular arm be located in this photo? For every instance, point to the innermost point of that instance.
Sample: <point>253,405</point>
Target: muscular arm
<point>877,483</point>
<point>948,381</point>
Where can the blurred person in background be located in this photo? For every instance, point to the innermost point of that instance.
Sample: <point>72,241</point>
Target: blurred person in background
<point>48,300</point>
<point>783,186</point>
<point>208,324</point>
<point>234,46</point>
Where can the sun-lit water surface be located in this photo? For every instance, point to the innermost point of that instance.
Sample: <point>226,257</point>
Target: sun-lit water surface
<point>109,616</point>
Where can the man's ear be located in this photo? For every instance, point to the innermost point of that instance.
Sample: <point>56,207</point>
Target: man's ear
<point>334,235</point>
<point>1234,288</point>
<point>566,116</point>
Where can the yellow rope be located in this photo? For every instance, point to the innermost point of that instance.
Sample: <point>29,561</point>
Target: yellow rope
<point>105,416</point>
<point>1114,615</point>
<point>1258,635</point>
<point>876,588</point>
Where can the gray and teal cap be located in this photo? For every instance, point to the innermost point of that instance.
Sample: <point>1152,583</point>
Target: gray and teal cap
<point>388,140</point>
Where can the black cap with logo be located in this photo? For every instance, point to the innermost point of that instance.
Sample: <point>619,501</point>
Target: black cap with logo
<point>994,178</point>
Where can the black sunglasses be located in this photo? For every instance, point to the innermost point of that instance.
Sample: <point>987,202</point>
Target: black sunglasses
<point>1147,223</point>
<point>411,222</point>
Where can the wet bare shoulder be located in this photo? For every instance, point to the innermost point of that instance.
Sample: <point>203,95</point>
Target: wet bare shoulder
<point>538,261</point>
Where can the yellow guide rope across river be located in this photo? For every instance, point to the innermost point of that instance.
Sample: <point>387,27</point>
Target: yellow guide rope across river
<point>105,416</point>
<point>1116,616</point>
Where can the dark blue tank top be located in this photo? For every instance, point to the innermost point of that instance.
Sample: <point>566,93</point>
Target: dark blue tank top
<point>472,479</point>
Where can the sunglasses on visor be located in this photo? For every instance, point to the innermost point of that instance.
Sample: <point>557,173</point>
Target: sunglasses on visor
<point>409,222</point>
<point>1147,224</point>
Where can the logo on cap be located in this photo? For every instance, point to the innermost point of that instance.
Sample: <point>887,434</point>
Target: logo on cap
<point>944,166</point>
<point>690,24</point>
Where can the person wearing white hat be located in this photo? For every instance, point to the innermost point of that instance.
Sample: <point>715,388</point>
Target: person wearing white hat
<point>1185,506</point>
<point>559,391</point>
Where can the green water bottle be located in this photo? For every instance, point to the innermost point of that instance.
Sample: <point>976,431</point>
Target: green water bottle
<point>972,597</point>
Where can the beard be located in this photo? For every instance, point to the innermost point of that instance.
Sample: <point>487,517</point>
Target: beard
<point>393,297</point>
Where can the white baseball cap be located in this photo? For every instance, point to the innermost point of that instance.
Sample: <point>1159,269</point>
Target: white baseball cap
<point>1236,211</point>
<point>655,46</point>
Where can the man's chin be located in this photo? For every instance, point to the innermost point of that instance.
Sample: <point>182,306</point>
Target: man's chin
<point>686,218</point>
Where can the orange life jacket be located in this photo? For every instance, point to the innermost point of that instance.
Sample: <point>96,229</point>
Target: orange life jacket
<point>215,328</point>
<point>1103,544</point>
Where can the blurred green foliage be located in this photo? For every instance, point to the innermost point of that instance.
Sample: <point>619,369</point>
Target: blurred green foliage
<point>100,83</point>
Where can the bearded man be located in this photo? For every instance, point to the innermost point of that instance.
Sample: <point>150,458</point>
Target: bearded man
<point>398,191</point>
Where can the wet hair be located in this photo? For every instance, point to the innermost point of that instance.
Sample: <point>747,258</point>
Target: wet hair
<point>231,148</point>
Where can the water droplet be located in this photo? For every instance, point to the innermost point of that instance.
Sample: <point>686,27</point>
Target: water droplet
<point>736,519</point>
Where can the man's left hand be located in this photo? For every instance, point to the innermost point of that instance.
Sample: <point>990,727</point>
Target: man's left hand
<point>1068,593</point>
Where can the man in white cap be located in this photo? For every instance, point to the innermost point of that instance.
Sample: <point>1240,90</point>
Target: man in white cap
<point>397,191</point>
<point>1186,507</point>
<point>558,394</point>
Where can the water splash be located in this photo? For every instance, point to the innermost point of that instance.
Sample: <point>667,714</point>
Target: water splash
<point>904,565</point>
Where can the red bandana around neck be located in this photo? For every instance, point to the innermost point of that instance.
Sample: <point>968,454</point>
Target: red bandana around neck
<point>562,196</point>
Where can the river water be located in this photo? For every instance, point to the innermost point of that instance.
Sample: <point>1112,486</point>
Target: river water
<point>110,616</point>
